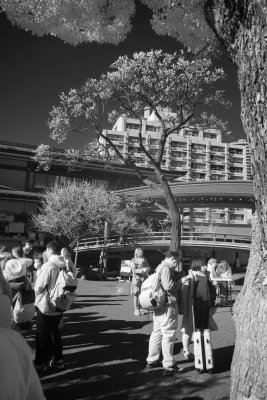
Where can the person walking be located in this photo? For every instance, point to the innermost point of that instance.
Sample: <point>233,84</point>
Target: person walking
<point>140,271</point>
<point>48,335</point>
<point>165,319</point>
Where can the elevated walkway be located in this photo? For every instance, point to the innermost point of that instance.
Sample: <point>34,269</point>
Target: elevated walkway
<point>158,239</point>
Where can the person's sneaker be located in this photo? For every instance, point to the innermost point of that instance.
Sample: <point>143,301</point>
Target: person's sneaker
<point>57,364</point>
<point>188,356</point>
<point>153,365</point>
<point>142,312</point>
<point>40,368</point>
<point>137,312</point>
<point>172,370</point>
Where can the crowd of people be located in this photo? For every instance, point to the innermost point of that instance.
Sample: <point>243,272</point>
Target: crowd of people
<point>20,267</point>
<point>192,295</point>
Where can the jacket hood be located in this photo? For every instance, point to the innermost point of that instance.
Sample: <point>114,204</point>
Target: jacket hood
<point>58,260</point>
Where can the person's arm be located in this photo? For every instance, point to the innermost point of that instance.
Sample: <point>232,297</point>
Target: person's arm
<point>42,280</point>
<point>167,281</point>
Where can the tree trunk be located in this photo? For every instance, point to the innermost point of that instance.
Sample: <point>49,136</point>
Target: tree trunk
<point>174,212</point>
<point>242,26</point>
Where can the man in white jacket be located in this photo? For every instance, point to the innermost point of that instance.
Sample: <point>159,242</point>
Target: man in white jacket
<point>165,319</point>
<point>48,335</point>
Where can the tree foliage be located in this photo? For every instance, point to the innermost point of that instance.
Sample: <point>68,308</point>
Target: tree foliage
<point>180,91</point>
<point>157,80</point>
<point>75,209</point>
<point>73,21</point>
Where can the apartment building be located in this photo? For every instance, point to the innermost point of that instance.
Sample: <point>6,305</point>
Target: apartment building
<point>195,155</point>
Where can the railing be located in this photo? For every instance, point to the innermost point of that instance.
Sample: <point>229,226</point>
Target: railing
<point>163,238</point>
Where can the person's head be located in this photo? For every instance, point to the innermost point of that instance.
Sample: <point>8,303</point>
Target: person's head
<point>38,260</point>
<point>64,252</point>
<point>53,248</point>
<point>28,245</point>
<point>171,258</point>
<point>138,253</point>
<point>3,249</point>
<point>17,251</point>
<point>197,264</point>
<point>212,262</point>
<point>224,265</point>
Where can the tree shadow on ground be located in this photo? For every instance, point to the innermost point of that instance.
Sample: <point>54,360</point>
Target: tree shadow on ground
<point>106,360</point>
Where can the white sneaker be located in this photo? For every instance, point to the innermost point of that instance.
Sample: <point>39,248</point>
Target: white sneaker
<point>137,312</point>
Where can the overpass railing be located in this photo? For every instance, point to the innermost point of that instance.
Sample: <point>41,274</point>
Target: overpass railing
<point>208,239</point>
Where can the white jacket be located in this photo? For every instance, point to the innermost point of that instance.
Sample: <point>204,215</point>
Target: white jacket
<point>46,281</point>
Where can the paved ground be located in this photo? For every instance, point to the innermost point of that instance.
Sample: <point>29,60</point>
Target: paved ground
<point>105,347</point>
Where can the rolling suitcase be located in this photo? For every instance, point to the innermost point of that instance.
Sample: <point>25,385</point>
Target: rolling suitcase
<point>203,351</point>
<point>202,348</point>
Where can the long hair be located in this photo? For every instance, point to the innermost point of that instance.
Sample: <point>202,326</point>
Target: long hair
<point>137,253</point>
<point>196,264</point>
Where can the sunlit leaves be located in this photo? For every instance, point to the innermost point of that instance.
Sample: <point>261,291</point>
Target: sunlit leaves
<point>78,208</point>
<point>73,21</point>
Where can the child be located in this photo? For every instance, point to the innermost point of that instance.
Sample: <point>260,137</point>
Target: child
<point>197,306</point>
<point>38,260</point>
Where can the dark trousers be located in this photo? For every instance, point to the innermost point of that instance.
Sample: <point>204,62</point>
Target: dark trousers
<point>48,338</point>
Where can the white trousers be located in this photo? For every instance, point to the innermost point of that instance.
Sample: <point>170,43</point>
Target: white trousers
<point>163,335</point>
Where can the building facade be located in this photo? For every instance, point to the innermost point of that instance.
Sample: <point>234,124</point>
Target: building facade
<point>194,154</point>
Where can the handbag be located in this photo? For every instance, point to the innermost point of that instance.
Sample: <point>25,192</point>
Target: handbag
<point>24,306</point>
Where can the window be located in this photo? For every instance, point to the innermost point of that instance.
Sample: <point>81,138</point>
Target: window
<point>236,170</point>
<point>236,151</point>
<point>118,138</point>
<point>207,135</point>
<point>191,134</point>
<point>152,128</point>
<point>197,146</point>
<point>178,154</point>
<point>217,148</point>
<point>133,140</point>
<point>217,168</point>
<point>154,142</point>
<point>217,158</point>
<point>180,164</point>
<point>132,126</point>
<point>237,160</point>
<point>198,165</point>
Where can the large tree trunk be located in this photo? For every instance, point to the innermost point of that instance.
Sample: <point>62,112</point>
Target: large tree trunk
<point>174,211</point>
<point>242,26</point>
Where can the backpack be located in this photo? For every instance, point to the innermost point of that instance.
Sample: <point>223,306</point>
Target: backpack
<point>152,294</point>
<point>24,308</point>
<point>62,296</point>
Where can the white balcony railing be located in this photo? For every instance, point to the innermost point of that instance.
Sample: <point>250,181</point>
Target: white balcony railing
<point>163,238</point>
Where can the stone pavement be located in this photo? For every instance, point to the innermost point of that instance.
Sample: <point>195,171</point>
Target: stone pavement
<point>105,347</point>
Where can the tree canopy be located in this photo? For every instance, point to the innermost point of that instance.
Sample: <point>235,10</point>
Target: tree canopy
<point>179,90</point>
<point>75,209</point>
<point>109,21</point>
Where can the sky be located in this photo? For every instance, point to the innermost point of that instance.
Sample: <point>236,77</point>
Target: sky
<point>34,71</point>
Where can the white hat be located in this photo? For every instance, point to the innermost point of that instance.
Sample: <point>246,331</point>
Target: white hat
<point>14,269</point>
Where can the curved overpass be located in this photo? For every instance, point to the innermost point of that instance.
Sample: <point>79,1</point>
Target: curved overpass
<point>231,193</point>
